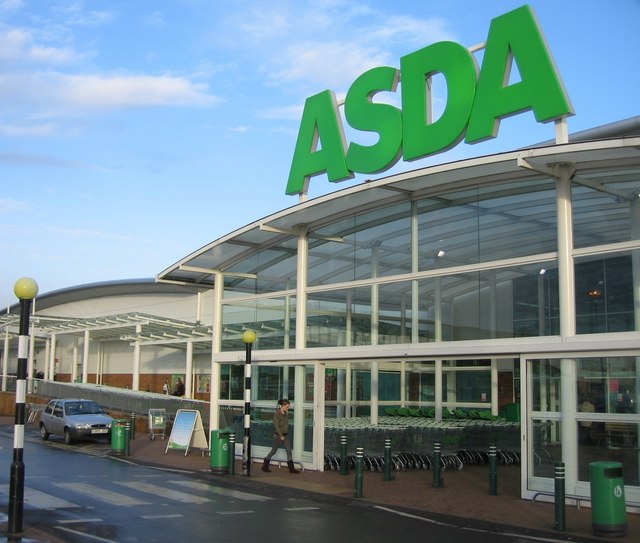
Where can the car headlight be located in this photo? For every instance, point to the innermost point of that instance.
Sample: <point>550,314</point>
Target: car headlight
<point>82,426</point>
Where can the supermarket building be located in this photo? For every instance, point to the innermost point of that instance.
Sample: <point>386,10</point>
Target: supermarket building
<point>498,281</point>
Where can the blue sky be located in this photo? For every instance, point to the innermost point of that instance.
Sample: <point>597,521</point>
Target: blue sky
<point>133,132</point>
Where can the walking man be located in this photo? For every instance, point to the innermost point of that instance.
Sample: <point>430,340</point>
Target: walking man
<point>280,437</point>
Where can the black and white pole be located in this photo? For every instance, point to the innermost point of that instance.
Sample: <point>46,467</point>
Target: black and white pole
<point>26,290</point>
<point>248,337</point>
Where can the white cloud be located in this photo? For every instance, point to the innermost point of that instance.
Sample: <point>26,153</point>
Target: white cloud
<point>331,64</point>
<point>54,92</point>
<point>99,91</point>
<point>45,129</point>
<point>409,30</point>
<point>75,14</point>
<point>155,19</point>
<point>17,46</point>
<point>10,5</point>
<point>13,206</point>
<point>290,113</point>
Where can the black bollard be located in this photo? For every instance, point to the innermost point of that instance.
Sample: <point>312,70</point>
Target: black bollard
<point>438,481</point>
<point>133,425</point>
<point>232,454</point>
<point>493,471</point>
<point>558,480</point>
<point>387,459</point>
<point>344,461</point>
<point>359,472</point>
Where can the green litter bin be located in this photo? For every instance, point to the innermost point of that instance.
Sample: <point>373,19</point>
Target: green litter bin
<point>608,508</point>
<point>219,460</point>
<point>118,437</point>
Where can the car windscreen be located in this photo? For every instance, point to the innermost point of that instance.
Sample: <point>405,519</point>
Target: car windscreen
<point>82,408</point>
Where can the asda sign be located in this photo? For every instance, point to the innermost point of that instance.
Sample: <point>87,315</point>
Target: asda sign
<point>477,99</point>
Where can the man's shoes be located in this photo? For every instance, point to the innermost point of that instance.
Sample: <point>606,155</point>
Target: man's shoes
<point>265,466</point>
<point>292,468</point>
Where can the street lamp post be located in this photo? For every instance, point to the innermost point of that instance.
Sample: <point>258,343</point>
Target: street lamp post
<point>248,337</point>
<point>26,290</point>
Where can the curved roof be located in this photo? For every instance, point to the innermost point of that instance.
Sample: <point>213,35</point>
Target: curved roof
<point>274,236</point>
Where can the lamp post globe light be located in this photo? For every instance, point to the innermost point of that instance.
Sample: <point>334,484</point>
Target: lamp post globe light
<point>26,289</point>
<point>248,338</point>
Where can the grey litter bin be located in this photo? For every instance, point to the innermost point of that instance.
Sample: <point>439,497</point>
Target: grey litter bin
<point>608,508</point>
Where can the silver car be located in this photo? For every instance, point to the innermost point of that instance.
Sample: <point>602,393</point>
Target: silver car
<point>75,419</point>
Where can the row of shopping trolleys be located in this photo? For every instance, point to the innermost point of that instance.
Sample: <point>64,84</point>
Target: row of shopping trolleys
<point>409,460</point>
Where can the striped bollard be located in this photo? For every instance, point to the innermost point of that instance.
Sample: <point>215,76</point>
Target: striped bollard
<point>344,461</point>
<point>26,290</point>
<point>559,501</point>
<point>359,472</point>
<point>248,337</point>
<point>387,459</point>
<point>493,470</point>
<point>438,482</point>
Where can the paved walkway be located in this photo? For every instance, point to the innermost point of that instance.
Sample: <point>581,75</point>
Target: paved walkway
<point>465,493</point>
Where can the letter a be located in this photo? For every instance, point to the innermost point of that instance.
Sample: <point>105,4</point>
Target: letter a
<point>516,35</point>
<point>320,123</point>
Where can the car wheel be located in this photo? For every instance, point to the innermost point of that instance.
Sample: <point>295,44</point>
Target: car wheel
<point>67,437</point>
<point>43,432</point>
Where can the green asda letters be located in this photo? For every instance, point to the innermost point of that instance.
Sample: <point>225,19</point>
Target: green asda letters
<point>476,101</point>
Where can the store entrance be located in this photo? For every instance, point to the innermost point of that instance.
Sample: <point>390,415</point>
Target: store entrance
<point>295,382</point>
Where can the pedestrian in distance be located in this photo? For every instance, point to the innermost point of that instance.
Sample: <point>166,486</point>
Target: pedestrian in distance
<point>165,387</point>
<point>179,388</point>
<point>280,436</point>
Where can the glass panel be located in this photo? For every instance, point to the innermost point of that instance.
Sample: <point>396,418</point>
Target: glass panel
<point>600,217</point>
<point>604,295</point>
<point>607,385</point>
<point>272,319</point>
<point>308,431</point>
<point>232,382</point>
<point>546,449</point>
<point>535,302</point>
<point>373,244</point>
<point>612,442</point>
<point>273,383</point>
<point>473,386</point>
<point>545,385</point>
<point>274,269</point>
<point>389,386</point>
<point>507,302</point>
<point>421,386</point>
<point>339,317</point>
<point>477,225</point>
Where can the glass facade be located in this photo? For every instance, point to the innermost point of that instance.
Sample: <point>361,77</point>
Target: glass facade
<point>468,264</point>
<point>422,291</point>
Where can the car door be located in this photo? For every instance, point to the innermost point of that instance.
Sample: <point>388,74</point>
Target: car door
<point>57,420</point>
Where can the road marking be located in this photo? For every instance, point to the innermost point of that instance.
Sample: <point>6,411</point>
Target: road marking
<point>301,508</point>
<point>164,492</point>
<point>247,496</point>
<point>234,512</point>
<point>79,520</point>
<point>84,534</point>
<point>161,516</point>
<point>103,494</point>
<point>42,500</point>
<point>496,532</point>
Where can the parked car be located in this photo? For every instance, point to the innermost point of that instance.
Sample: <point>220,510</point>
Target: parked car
<point>75,419</point>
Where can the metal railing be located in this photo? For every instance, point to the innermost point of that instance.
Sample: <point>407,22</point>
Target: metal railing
<point>121,400</point>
